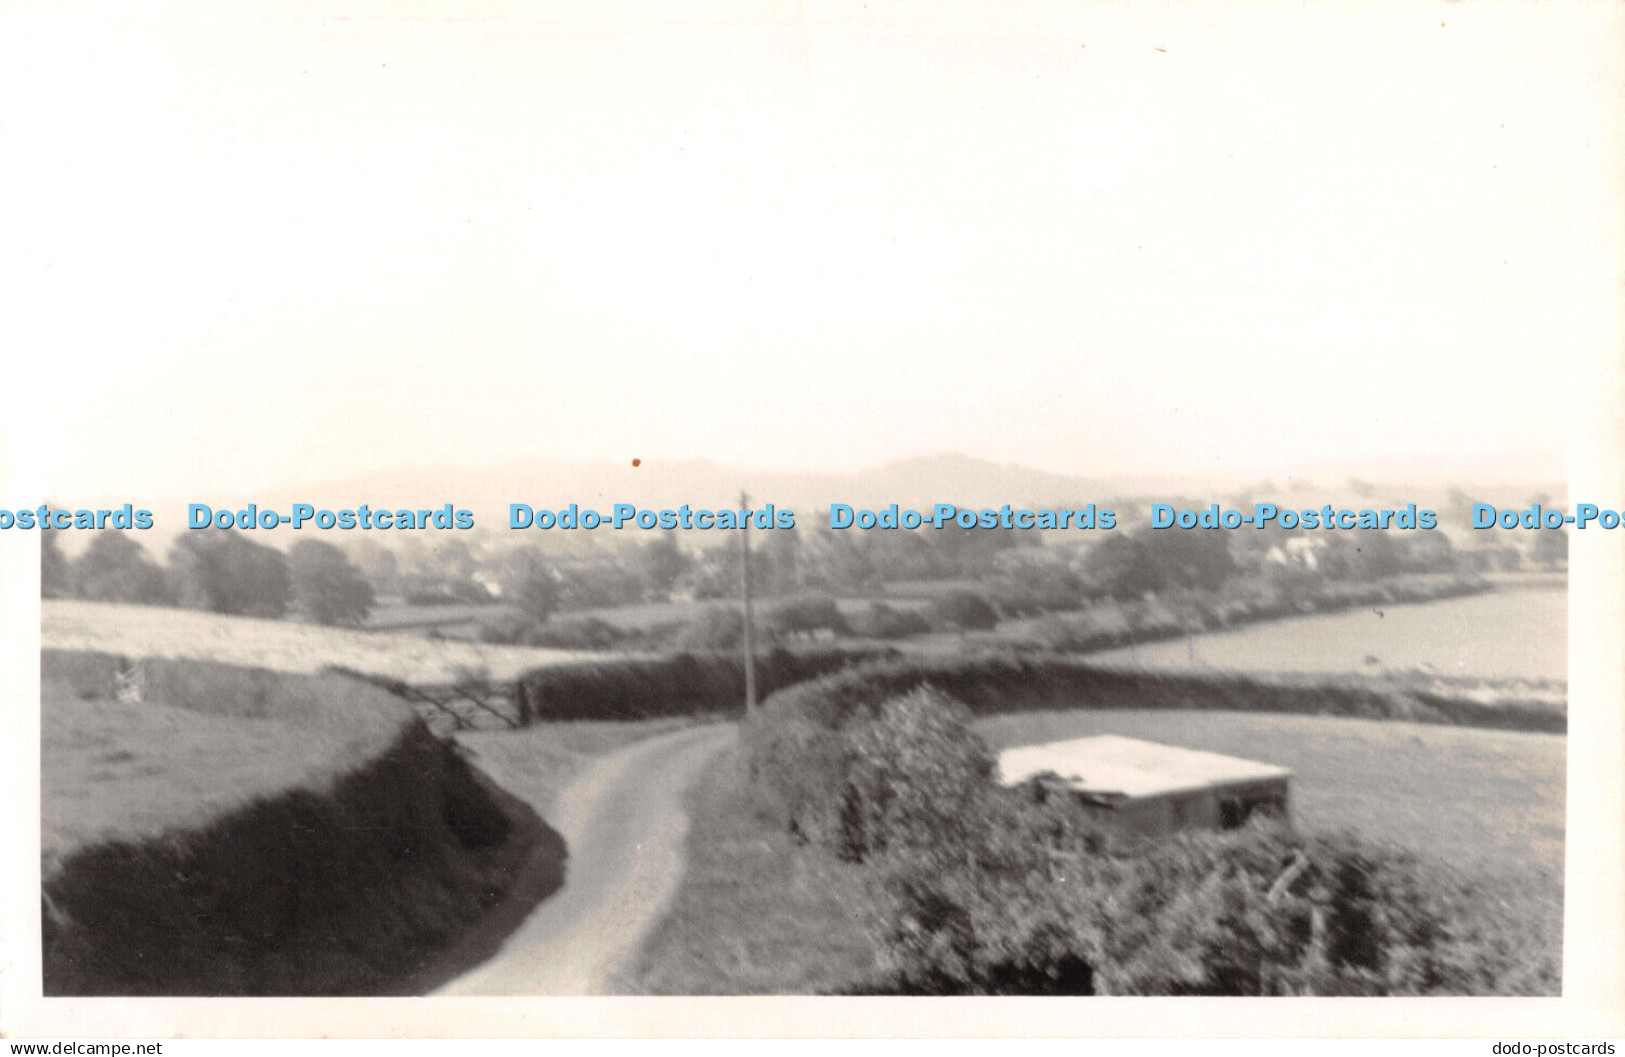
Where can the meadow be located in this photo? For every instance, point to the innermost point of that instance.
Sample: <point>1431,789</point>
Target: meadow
<point>1486,801</point>
<point>1502,634</point>
<point>151,631</point>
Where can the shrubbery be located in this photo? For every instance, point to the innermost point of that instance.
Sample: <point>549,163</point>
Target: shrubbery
<point>806,615</point>
<point>714,628</point>
<point>977,889</point>
<point>1041,907</point>
<point>962,611</point>
<point>881,621</point>
<point>580,633</point>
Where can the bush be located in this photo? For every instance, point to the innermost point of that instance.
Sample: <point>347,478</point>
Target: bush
<point>881,621</point>
<point>963,611</point>
<point>914,776</point>
<point>813,613</point>
<point>715,628</point>
<point>1255,912</point>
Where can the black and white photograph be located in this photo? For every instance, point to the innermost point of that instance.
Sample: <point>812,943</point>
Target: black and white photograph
<point>825,501</point>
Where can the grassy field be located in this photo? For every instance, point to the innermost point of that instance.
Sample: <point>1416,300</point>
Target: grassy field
<point>148,631</point>
<point>1485,801</point>
<point>757,914</point>
<point>393,614</point>
<point>1520,633</point>
<point>113,771</point>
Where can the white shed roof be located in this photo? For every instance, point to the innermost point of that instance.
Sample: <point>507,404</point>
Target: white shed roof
<point>1109,765</point>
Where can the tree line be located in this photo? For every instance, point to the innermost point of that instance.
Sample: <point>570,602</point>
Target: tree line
<point>218,570</point>
<point>991,574</point>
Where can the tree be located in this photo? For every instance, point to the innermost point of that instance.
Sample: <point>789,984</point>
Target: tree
<point>1118,567</point>
<point>115,568</point>
<point>780,562</point>
<point>1031,580</point>
<point>221,571</point>
<point>1364,554</point>
<point>1429,552</point>
<point>55,574</point>
<point>530,584</point>
<point>377,563</point>
<point>1551,546</point>
<point>1197,559</point>
<point>327,585</point>
<point>660,563</point>
<point>452,558</point>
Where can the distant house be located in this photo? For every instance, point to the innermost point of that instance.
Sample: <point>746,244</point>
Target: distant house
<point>1150,788</point>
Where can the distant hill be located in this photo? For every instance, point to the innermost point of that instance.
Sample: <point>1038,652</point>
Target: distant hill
<point>488,490</point>
<point>952,478</point>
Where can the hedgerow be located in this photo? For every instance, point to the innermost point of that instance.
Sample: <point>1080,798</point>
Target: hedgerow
<point>795,745</point>
<point>978,889</point>
<point>626,687</point>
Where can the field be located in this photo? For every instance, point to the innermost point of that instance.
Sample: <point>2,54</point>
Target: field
<point>757,914</point>
<point>1504,634</point>
<point>113,771</point>
<point>393,614</point>
<point>149,631</point>
<point>1485,801</point>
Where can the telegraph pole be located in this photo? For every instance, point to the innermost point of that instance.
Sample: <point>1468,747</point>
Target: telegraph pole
<point>750,623</point>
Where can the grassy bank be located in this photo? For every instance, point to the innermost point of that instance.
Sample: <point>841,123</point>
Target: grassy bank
<point>241,832</point>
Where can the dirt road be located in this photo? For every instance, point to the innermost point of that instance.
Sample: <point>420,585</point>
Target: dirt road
<point>624,823</point>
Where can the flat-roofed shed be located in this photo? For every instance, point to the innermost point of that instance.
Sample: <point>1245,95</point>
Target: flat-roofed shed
<point>1151,788</point>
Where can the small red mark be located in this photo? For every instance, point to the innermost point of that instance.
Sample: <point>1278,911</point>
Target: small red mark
<point>637,462</point>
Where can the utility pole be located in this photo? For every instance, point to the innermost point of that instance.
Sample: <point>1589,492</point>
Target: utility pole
<point>750,623</point>
<point>1189,612</point>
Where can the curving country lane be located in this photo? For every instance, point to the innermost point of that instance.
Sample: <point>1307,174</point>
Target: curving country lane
<point>624,823</point>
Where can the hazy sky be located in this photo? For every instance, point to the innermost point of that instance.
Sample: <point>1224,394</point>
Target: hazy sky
<point>260,243</point>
